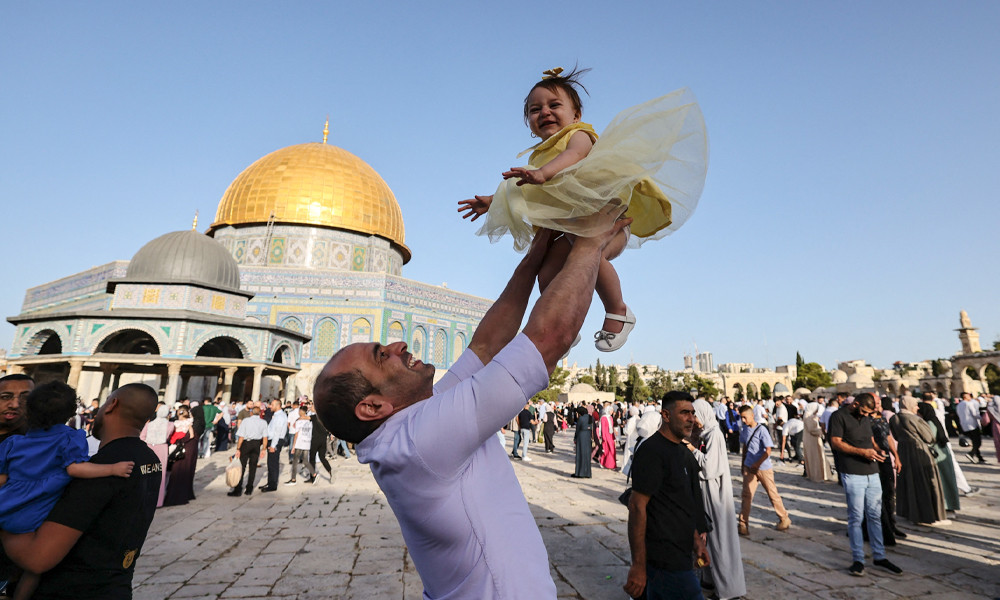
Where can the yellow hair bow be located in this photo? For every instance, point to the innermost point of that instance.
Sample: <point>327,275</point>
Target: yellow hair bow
<point>552,73</point>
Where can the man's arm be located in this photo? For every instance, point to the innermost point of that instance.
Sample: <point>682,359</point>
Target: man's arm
<point>501,322</point>
<point>40,550</point>
<point>559,312</point>
<point>636,582</point>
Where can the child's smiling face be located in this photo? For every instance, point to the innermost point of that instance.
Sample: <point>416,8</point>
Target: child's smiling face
<point>549,111</point>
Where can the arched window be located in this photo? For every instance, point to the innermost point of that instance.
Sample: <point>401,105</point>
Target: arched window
<point>327,338</point>
<point>440,347</point>
<point>459,346</point>
<point>361,331</point>
<point>396,333</point>
<point>292,323</point>
<point>418,345</point>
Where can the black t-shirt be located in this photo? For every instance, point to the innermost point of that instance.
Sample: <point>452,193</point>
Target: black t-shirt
<point>668,473</point>
<point>114,514</point>
<point>855,432</point>
<point>524,419</point>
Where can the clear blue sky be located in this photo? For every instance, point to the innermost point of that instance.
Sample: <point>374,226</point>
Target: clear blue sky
<point>851,204</point>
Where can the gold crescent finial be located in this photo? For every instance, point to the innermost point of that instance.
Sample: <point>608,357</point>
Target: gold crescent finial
<point>326,128</point>
<point>552,73</point>
<point>194,225</point>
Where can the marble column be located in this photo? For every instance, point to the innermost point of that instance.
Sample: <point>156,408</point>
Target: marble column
<point>173,383</point>
<point>290,389</point>
<point>227,384</point>
<point>258,373</point>
<point>75,368</point>
<point>107,372</point>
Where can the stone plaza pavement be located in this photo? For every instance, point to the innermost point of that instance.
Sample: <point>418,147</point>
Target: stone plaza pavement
<point>339,539</point>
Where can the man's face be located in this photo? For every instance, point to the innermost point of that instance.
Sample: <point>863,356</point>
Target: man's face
<point>861,411</point>
<point>391,369</point>
<point>747,418</point>
<point>13,394</point>
<point>679,418</point>
<point>966,396</point>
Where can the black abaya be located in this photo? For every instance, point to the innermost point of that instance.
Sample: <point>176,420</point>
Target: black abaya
<point>180,481</point>
<point>584,424</point>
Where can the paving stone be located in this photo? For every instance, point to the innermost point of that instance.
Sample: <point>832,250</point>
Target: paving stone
<point>342,541</point>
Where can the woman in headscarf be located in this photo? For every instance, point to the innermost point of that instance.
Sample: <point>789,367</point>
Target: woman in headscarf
<point>608,449</point>
<point>630,434</point>
<point>726,571</point>
<point>817,468</point>
<point>582,439</point>
<point>222,427</point>
<point>180,483</point>
<point>946,470</point>
<point>157,434</point>
<point>887,469</point>
<point>919,497</point>
<point>549,428</point>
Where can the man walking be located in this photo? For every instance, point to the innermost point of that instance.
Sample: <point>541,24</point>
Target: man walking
<point>757,468</point>
<point>851,436</point>
<point>249,438</point>
<point>969,419</point>
<point>433,448</point>
<point>666,514</point>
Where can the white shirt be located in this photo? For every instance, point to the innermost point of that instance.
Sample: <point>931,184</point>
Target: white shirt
<point>277,428</point>
<point>452,488</point>
<point>303,430</point>
<point>793,426</point>
<point>968,414</point>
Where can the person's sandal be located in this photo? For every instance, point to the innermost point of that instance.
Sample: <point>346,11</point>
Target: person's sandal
<point>606,341</point>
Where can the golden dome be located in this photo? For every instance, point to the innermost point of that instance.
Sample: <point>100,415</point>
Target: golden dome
<point>314,184</point>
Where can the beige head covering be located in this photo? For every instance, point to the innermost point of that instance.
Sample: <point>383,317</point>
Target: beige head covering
<point>908,404</point>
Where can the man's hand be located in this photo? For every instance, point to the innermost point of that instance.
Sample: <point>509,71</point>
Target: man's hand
<point>701,550</point>
<point>475,207</point>
<point>872,454</point>
<point>606,221</point>
<point>122,469</point>
<point>636,582</point>
<point>270,449</point>
<point>526,175</point>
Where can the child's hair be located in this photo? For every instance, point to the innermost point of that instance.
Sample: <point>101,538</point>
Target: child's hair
<point>183,412</point>
<point>567,83</point>
<point>50,404</point>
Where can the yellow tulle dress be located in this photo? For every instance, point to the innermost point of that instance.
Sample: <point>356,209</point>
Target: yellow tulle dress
<point>652,157</point>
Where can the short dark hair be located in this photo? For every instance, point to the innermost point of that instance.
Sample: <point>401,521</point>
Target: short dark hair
<point>671,398</point>
<point>16,377</point>
<point>746,408</point>
<point>865,399</point>
<point>927,396</point>
<point>49,404</point>
<point>337,397</point>
<point>567,83</point>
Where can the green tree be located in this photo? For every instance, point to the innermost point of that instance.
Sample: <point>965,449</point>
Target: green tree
<point>556,380</point>
<point>765,391</point>
<point>993,379</point>
<point>588,380</point>
<point>612,384</point>
<point>659,384</point>
<point>706,388</point>
<point>635,387</point>
<point>798,361</point>
<point>812,375</point>
<point>937,367</point>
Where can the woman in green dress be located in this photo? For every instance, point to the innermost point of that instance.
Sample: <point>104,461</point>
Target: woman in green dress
<point>945,464</point>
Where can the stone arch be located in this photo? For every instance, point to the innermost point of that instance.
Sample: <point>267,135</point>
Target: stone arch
<point>752,393</point>
<point>283,354</point>
<point>738,392</point>
<point>223,346</point>
<point>418,343</point>
<point>941,391</point>
<point>327,338</point>
<point>891,388</point>
<point>128,340</point>
<point>459,345</point>
<point>395,333</point>
<point>765,390</point>
<point>43,341</point>
<point>293,323</point>
<point>440,347</point>
<point>361,330</point>
<point>991,378</point>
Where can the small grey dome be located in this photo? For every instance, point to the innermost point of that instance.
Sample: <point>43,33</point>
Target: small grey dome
<point>185,257</point>
<point>780,389</point>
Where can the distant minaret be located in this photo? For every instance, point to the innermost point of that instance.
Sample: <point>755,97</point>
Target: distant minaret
<point>968,335</point>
